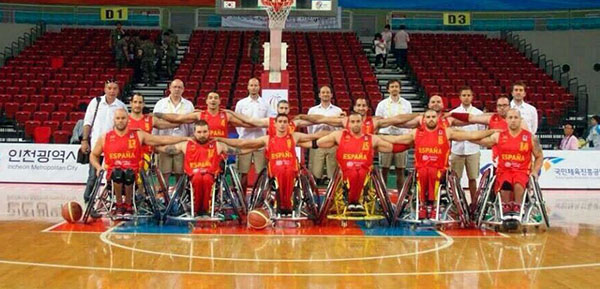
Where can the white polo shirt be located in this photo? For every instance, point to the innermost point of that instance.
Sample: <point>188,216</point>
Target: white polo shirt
<point>389,108</point>
<point>330,110</point>
<point>166,105</point>
<point>254,108</point>
<point>528,113</point>
<point>105,118</point>
<point>465,147</point>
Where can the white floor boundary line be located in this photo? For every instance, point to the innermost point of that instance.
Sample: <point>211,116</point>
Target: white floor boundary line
<point>130,270</point>
<point>104,237</point>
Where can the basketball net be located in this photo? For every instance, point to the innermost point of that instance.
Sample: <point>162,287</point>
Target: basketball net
<point>278,11</point>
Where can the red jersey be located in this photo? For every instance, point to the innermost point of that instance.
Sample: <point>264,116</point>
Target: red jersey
<point>144,124</point>
<point>271,131</point>
<point>368,127</point>
<point>497,122</point>
<point>281,152</point>
<point>514,153</point>
<point>201,158</point>
<point>432,148</point>
<point>354,152</point>
<point>217,124</point>
<point>123,151</point>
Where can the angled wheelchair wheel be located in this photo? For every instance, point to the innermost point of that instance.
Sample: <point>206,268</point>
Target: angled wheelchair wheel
<point>262,182</point>
<point>156,175</point>
<point>150,195</point>
<point>94,198</point>
<point>308,197</point>
<point>458,197</point>
<point>178,195</point>
<point>329,195</point>
<point>382,195</point>
<point>485,201</point>
<point>236,187</point>
<point>540,199</point>
<point>403,196</point>
<point>312,185</point>
<point>486,184</point>
<point>233,198</point>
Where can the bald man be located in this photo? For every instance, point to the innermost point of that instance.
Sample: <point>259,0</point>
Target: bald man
<point>122,150</point>
<point>174,103</point>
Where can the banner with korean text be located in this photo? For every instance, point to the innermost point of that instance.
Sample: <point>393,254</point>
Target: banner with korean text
<point>41,163</point>
<point>560,169</point>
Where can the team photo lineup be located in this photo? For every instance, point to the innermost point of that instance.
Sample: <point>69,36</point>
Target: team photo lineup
<point>344,144</point>
<point>299,144</point>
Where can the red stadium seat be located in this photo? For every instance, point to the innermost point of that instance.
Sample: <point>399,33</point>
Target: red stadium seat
<point>61,136</point>
<point>42,134</point>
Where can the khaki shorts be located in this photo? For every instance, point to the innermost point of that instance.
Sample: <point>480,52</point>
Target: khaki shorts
<point>244,161</point>
<point>170,164</point>
<point>320,157</point>
<point>458,163</point>
<point>399,160</point>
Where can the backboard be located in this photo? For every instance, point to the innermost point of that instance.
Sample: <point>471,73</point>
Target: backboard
<point>299,8</point>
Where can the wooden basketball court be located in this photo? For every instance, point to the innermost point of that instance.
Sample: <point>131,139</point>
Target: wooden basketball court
<point>43,254</point>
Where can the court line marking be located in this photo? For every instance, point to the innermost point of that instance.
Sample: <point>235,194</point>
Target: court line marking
<point>132,270</point>
<point>52,227</point>
<point>104,237</point>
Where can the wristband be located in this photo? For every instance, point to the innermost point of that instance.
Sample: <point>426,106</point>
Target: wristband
<point>314,144</point>
<point>462,116</point>
<point>398,148</point>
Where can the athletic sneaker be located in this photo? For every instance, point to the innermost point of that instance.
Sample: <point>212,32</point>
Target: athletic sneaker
<point>432,212</point>
<point>359,207</point>
<point>507,208</point>
<point>127,210</point>
<point>116,210</point>
<point>351,207</point>
<point>516,208</point>
<point>422,213</point>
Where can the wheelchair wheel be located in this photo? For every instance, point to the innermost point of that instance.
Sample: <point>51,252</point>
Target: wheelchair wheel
<point>312,185</point>
<point>93,198</point>
<point>150,195</point>
<point>382,195</point>
<point>485,184</point>
<point>236,186</point>
<point>484,201</point>
<point>329,195</point>
<point>178,195</point>
<point>458,197</point>
<point>307,196</point>
<point>160,181</point>
<point>403,197</point>
<point>540,199</point>
<point>236,202</point>
<point>262,182</point>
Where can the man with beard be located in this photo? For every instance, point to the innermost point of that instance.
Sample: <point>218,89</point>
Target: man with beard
<point>122,149</point>
<point>202,163</point>
<point>432,149</point>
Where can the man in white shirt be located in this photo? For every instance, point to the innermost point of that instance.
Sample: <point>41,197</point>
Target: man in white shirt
<point>401,40</point>
<point>528,112</point>
<point>252,106</point>
<point>464,153</point>
<point>95,128</point>
<point>319,157</point>
<point>390,107</point>
<point>174,103</point>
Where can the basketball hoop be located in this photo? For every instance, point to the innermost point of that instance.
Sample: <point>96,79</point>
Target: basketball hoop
<point>278,11</point>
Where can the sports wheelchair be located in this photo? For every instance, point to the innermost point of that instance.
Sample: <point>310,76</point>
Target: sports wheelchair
<point>450,206</point>
<point>103,201</point>
<point>489,211</point>
<point>227,201</point>
<point>305,198</point>
<point>375,201</point>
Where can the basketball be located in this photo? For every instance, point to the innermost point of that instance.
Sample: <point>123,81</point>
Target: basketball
<point>71,211</point>
<point>258,219</point>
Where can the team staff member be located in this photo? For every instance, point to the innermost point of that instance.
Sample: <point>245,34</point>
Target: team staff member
<point>174,103</point>
<point>283,107</point>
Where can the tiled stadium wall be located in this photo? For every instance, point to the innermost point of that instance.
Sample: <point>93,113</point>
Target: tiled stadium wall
<point>578,48</point>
